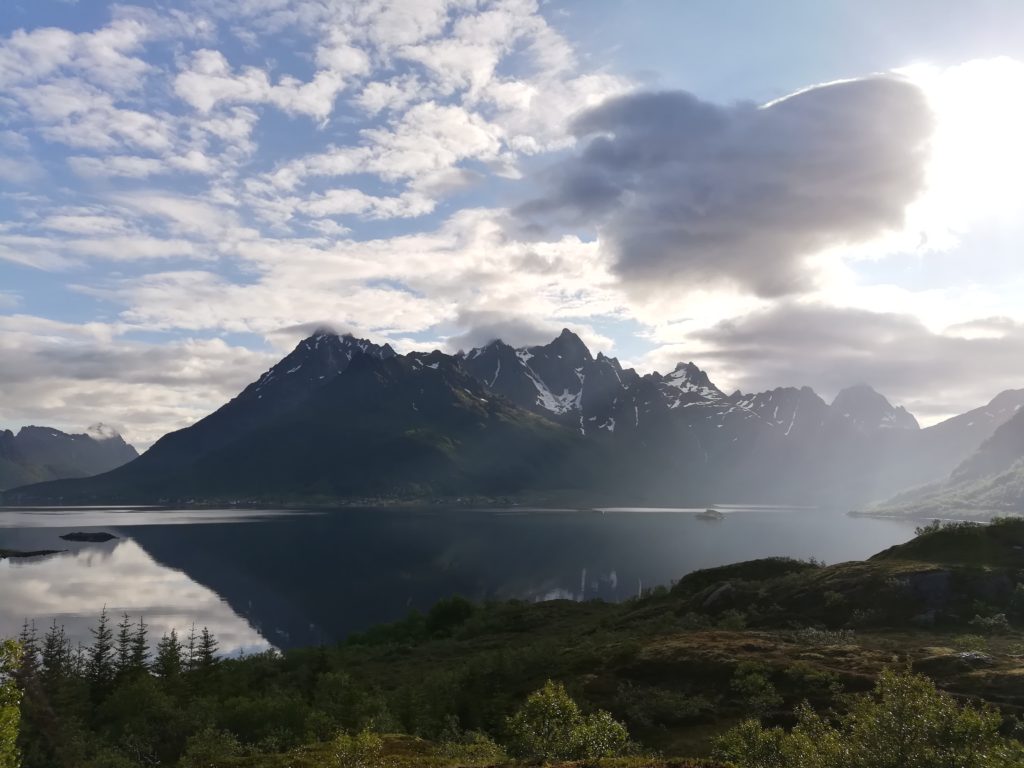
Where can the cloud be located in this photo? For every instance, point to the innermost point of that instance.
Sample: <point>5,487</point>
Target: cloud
<point>209,81</point>
<point>71,375</point>
<point>481,327</point>
<point>687,192</point>
<point>792,344</point>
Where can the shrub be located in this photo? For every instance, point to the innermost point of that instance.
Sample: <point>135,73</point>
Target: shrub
<point>10,699</point>
<point>472,747</point>
<point>364,750</point>
<point>812,636</point>
<point>550,726</point>
<point>904,723</point>
<point>970,643</point>
<point>209,748</point>
<point>991,624</point>
<point>693,620</point>
<point>751,684</point>
<point>733,620</point>
<point>648,705</point>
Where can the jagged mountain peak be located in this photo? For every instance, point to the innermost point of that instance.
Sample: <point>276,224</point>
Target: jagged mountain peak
<point>567,345</point>
<point>869,409</point>
<point>687,377</point>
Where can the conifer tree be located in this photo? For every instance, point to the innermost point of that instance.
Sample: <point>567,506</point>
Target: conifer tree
<point>207,651</point>
<point>100,659</point>
<point>191,650</point>
<point>168,662</point>
<point>140,647</point>
<point>30,657</point>
<point>124,645</point>
<point>55,656</point>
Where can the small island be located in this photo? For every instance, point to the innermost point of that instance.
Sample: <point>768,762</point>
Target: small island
<point>17,553</point>
<point>710,514</point>
<point>94,537</point>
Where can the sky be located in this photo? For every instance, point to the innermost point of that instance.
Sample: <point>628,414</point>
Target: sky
<point>807,193</point>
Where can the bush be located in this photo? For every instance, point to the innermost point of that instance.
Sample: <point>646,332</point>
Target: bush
<point>991,625</point>
<point>732,620</point>
<point>693,620</point>
<point>10,700</point>
<point>209,748</point>
<point>649,706</point>
<point>751,684</point>
<point>550,726</point>
<point>364,750</point>
<point>472,747</point>
<point>812,636</point>
<point>970,643</point>
<point>904,723</point>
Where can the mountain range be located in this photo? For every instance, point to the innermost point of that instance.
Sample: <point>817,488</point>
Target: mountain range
<point>341,417</point>
<point>36,454</point>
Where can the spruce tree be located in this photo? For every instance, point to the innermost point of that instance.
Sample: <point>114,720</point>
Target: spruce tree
<point>191,650</point>
<point>55,657</point>
<point>100,659</point>
<point>140,648</point>
<point>168,662</point>
<point>207,652</point>
<point>124,645</point>
<point>30,656</point>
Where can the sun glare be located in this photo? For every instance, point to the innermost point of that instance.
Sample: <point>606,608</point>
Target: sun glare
<point>977,163</point>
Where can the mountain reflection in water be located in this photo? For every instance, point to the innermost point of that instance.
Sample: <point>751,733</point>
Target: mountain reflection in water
<point>295,579</point>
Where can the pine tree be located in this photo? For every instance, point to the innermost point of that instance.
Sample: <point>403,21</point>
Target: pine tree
<point>168,662</point>
<point>55,656</point>
<point>124,645</point>
<point>30,657</point>
<point>191,650</point>
<point>100,658</point>
<point>140,647</point>
<point>207,652</point>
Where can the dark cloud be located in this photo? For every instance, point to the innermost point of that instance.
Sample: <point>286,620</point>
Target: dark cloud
<point>830,348</point>
<point>684,191</point>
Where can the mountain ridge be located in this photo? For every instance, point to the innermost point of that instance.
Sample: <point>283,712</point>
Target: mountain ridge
<point>653,438</point>
<point>37,453</point>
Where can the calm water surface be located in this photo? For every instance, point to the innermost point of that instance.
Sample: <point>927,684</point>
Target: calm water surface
<point>285,578</point>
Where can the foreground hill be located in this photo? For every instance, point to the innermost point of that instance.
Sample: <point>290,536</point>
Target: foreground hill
<point>35,454</point>
<point>341,418</point>
<point>679,666</point>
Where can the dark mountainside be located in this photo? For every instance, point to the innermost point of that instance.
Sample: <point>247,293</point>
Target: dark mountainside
<point>36,454</point>
<point>343,418</point>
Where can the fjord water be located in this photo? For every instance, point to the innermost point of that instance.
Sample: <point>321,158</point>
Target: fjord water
<point>289,578</point>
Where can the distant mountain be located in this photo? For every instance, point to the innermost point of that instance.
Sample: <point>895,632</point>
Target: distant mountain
<point>990,480</point>
<point>36,454</point>
<point>343,417</point>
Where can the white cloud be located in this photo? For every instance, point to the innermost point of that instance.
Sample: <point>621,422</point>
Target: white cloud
<point>209,81</point>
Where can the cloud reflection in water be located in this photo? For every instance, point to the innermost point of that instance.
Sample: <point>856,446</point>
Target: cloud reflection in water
<point>73,588</point>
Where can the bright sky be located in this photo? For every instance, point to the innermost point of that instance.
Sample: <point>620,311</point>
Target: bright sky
<point>808,193</point>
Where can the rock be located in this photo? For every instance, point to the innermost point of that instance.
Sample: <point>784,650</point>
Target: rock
<point>976,658</point>
<point>95,537</point>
